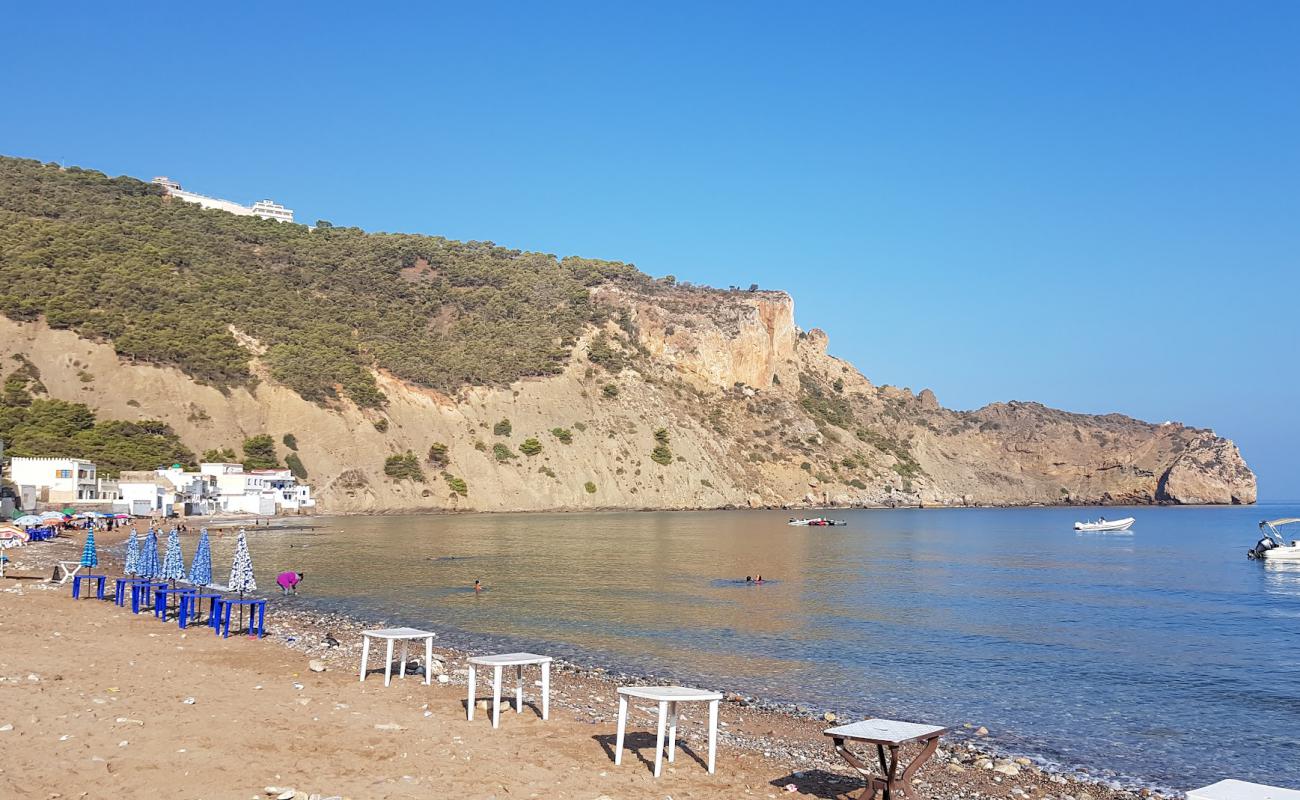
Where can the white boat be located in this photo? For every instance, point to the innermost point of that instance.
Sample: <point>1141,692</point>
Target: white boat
<point>817,522</point>
<point>1104,524</point>
<point>1272,546</point>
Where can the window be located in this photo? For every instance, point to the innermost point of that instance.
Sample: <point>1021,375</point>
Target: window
<point>63,473</point>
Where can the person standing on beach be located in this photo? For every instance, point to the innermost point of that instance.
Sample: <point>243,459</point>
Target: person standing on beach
<point>289,581</point>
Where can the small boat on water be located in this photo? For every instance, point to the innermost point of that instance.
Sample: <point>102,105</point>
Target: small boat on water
<point>1272,546</point>
<point>1108,525</point>
<point>817,522</point>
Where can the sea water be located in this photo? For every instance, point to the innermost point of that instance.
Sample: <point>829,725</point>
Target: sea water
<point>1162,657</point>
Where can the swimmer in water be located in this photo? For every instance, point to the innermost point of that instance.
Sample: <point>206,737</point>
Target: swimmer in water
<point>759,579</point>
<point>749,579</point>
<point>478,587</point>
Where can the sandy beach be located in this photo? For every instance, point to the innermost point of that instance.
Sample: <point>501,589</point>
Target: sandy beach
<point>97,702</point>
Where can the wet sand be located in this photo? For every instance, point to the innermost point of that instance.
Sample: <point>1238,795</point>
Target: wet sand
<point>104,703</point>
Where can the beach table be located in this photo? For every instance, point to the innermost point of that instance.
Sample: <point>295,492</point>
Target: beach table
<point>667,697</point>
<point>192,605</point>
<point>142,594</point>
<point>161,595</point>
<point>405,635</point>
<point>98,579</point>
<point>518,661</point>
<point>120,587</point>
<point>1241,790</point>
<point>886,733</point>
<point>256,609</point>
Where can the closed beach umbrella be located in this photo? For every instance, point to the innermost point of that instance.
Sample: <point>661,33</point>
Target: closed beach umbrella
<point>89,556</point>
<point>173,566</point>
<point>201,568</point>
<point>241,571</point>
<point>149,566</point>
<point>132,564</point>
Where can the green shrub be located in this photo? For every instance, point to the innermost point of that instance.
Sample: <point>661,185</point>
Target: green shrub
<point>857,484</point>
<point>290,441</point>
<point>590,487</point>
<point>602,353</point>
<point>480,445</point>
<point>563,434</point>
<point>661,455</point>
<point>706,483</point>
<point>456,484</point>
<point>530,447</point>
<point>609,391</point>
<point>295,465</point>
<point>404,467</point>
<point>381,425</point>
<point>661,436</point>
<point>580,426</point>
<point>225,455</point>
<point>259,452</point>
<point>502,428</point>
<point>438,454</point>
<point>547,471</point>
<point>502,452</point>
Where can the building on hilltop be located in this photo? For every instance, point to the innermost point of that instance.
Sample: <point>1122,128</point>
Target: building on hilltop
<point>266,209</point>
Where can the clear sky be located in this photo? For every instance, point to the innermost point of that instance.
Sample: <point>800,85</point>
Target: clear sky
<point>1093,205</point>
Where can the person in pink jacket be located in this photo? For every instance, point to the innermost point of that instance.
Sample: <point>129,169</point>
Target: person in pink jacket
<point>289,581</point>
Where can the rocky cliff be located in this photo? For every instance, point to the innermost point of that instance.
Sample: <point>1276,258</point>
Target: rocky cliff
<point>414,372</point>
<point>687,398</point>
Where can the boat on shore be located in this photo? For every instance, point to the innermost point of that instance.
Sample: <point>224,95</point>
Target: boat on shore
<point>1272,546</point>
<point>1106,525</point>
<point>817,522</point>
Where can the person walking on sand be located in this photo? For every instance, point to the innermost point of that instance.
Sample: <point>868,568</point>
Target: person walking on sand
<point>289,581</point>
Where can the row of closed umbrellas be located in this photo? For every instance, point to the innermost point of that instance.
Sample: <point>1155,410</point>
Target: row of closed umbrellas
<point>142,560</point>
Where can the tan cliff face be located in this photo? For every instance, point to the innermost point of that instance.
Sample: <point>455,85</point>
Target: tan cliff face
<point>755,412</point>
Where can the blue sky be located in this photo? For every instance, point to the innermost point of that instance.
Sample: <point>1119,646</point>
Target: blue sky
<point>1090,205</point>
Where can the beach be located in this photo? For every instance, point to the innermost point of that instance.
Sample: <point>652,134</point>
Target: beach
<point>103,703</point>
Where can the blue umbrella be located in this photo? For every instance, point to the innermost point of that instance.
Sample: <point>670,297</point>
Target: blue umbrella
<point>173,566</point>
<point>89,557</point>
<point>201,567</point>
<point>149,566</point>
<point>132,564</point>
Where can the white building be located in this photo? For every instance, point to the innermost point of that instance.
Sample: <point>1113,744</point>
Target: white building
<point>146,493</point>
<point>54,480</point>
<point>269,209</point>
<point>261,491</point>
<point>266,209</point>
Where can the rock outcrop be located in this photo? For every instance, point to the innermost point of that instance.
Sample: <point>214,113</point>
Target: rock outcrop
<point>753,412</point>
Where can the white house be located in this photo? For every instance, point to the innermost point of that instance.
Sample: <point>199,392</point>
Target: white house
<point>261,491</point>
<point>266,209</point>
<point>146,493</point>
<point>55,480</point>
<point>196,491</point>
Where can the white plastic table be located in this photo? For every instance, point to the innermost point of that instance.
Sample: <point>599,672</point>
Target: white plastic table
<point>518,661</point>
<point>1242,790</point>
<point>884,733</point>
<point>392,635</point>
<point>667,697</point>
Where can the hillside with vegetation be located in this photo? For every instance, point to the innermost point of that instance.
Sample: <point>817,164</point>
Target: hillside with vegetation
<point>405,372</point>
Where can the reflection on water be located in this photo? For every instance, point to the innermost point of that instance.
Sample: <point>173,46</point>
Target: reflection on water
<point>1130,652</point>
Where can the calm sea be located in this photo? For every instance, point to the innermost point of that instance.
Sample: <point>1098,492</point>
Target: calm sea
<point>1164,657</point>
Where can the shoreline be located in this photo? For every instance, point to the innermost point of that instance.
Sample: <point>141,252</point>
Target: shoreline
<point>439,512</point>
<point>786,733</point>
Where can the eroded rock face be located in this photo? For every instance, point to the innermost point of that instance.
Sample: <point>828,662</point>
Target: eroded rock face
<point>1210,470</point>
<point>717,345</point>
